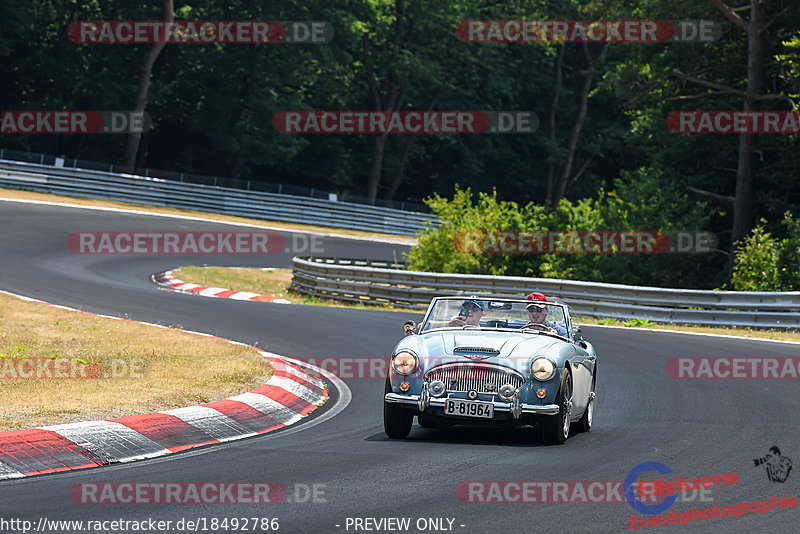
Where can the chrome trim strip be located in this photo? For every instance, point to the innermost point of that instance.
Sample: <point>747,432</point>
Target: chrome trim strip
<point>487,350</point>
<point>413,400</point>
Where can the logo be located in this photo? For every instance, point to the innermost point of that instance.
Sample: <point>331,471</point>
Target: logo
<point>630,483</point>
<point>476,357</point>
<point>778,467</point>
<point>734,122</point>
<point>405,122</point>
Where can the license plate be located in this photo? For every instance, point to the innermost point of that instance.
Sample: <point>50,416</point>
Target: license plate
<point>469,408</point>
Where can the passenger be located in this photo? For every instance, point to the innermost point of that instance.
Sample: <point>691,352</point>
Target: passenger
<point>471,312</point>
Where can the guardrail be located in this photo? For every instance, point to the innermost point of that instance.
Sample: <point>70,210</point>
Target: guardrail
<point>253,204</point>
<point>354,280</point>
<point>246,184</point>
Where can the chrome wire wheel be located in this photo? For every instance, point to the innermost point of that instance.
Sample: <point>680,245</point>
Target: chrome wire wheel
<point>555,428</point>
<point>590,407</point>
<point>586,421</point>
<point>567,406</point>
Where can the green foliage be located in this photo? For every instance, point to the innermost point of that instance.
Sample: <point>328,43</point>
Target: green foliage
<point>765,263</point>
<point>641,201</point>
<point>212,108</point>
<point>634,323</point>
<point>18,352</point>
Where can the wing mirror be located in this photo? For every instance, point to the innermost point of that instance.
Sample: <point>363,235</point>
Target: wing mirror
<point>410,328</point>
<point>577,335</point>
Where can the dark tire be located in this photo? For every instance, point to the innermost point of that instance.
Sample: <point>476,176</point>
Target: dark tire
<point>396,421</point>
<point>426,423</point>
<point>555,428</point>
<point>585,423</point>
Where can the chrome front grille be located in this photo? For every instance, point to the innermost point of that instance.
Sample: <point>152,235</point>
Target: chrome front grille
<point>483,378</point>
<point>483,350</point>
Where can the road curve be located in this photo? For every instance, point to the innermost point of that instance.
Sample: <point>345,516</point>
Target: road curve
<point>695,427</point>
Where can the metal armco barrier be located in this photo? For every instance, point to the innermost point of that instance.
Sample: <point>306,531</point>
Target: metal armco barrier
<point>253,204</point>
<point>354,280</point>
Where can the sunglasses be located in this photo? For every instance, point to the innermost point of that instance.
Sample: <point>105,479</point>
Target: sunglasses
<point>472,307</point>
<point>537,309</point>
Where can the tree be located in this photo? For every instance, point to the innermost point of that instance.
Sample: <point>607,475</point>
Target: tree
<point>132,145</point>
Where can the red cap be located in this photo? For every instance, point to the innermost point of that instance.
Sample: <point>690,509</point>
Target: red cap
<point>535,298</point>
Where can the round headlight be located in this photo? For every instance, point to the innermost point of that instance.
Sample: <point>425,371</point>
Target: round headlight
<point>404,363</point>
<point>543,369</point>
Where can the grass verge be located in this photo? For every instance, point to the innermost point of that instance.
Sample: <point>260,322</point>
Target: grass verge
<point>268,281</point>
<point>109,368</point>
<point>277,281</point>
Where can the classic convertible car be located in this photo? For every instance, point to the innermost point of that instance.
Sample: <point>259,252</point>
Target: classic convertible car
<point>492,362</point>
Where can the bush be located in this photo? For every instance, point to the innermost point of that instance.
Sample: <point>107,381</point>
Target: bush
<point>640,201</point>
<point>764,263</point>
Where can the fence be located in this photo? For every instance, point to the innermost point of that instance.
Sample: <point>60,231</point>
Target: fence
<point>253,204</point>
<point>354,280</point>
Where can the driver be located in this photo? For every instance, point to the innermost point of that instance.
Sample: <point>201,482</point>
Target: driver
<point>537,313</point>
<point>471,312</point>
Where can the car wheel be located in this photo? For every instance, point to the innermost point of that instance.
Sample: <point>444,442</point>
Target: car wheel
<point>426,423</point>
<point>556,427</point>
<point>585,423</point>
<point>396,421</point>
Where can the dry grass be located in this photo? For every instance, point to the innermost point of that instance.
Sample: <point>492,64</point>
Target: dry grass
<point>274,282</point>
<point>171,369</point>
<point>28,195</point>
<point>262,281</point>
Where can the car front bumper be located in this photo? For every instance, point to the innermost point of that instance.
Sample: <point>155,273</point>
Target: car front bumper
<point>414,400</point>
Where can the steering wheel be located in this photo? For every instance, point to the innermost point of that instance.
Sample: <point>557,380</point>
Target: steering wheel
<point>540,327</point>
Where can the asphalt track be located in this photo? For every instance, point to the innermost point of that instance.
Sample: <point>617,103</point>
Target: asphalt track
<point>695,427</point>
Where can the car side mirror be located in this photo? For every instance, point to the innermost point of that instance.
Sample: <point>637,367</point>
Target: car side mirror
<point>410,328</point>
<point>577,335</point>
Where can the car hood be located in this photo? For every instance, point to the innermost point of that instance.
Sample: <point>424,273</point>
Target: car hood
<point>506,344</point>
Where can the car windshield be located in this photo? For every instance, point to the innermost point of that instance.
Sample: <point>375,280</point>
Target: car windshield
<point>453,312</point>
